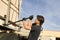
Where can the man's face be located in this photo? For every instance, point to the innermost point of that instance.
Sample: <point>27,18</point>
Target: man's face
<point>36,21</point>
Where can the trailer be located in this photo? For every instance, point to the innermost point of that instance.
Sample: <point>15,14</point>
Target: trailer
<point>9,13</point>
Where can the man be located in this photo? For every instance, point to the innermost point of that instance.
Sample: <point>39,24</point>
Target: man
<point>34,28</point>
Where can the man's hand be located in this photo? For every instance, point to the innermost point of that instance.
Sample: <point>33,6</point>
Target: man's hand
<point>27,25</point>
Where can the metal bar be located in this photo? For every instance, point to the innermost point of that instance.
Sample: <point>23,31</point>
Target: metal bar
<point>14,5</point>
<point>9,22</point>
<point>19,6</point>
<point>8,12</point>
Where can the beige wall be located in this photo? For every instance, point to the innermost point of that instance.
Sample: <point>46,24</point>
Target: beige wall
<point>50,33</point>
<point>13,10</point>
<point>44,33</point>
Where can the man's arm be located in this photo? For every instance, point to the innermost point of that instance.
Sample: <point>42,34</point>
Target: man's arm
<point>27,25</point>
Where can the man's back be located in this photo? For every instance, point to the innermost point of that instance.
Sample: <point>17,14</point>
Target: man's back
<point>34,33</point>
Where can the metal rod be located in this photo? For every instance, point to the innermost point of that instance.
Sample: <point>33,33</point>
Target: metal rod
<point>8,12</point>
<point>18,7</point>
<point>10,22</point>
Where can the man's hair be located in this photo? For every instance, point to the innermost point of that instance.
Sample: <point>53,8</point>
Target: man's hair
<point>41,19</point>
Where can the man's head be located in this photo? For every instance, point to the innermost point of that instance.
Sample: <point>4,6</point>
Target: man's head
<point>39,20</point>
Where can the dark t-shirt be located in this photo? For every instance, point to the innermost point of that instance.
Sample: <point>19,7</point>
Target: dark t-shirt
<point>34,33</point>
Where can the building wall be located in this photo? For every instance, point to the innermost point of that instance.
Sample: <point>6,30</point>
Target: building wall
<point>50,33</point>
<point>45,34</point>
<point>47,38</point>
<point>13,10</point>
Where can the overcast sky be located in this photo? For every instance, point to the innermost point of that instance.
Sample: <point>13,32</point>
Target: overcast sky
<point>50,9</point>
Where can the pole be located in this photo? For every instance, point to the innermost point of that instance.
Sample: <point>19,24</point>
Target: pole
<point>8,12</point>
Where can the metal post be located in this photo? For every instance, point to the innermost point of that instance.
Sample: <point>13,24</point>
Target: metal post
<point>8,12</point>
<point>19,8</point>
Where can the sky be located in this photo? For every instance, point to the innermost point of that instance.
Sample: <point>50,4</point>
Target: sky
<point>50,9</point>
